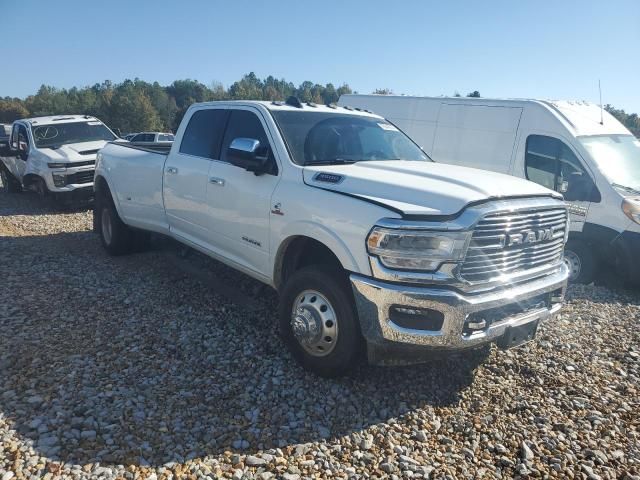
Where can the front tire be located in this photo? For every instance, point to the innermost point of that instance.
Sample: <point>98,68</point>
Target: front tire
<point>318,321</point>
<point>41,188</point>
<point>581,262</point>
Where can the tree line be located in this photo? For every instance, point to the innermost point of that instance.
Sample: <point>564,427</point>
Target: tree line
<point>136,105</point>
<point>629,120</point>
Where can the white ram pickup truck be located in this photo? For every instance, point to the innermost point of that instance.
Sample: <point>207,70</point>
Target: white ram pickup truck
<point>54,156</point>
<point>372,246</point>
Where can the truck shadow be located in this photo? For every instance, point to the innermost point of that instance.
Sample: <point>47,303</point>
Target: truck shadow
<point>132,360</point>
<point>28,203</point>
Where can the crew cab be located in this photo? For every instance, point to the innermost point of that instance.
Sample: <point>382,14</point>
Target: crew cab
<point>54,156</point>
<point>372,246</point>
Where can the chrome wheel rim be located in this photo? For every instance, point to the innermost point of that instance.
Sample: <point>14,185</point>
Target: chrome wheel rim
<point>314,323</point>
<point>573,263</point>
<point>106,226</point>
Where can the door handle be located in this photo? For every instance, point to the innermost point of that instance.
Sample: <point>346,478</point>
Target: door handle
<point>217,181</point>
<point>173,170</point>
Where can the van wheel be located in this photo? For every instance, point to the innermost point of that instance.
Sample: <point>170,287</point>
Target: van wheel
<point>581,262</point>
<point>116,237</point>
<point>318,321</point>
<point>9,183</point>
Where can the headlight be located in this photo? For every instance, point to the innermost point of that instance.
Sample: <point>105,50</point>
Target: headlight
<point>57,165</point>
<point>415,249</point>
<point>631,208</point>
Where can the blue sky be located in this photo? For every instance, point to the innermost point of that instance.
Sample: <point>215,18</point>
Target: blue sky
<point>541,49</point>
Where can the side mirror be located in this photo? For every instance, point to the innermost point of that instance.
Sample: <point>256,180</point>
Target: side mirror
<point>22,147</point>
<point>248,154</point>
<point>563,187</point>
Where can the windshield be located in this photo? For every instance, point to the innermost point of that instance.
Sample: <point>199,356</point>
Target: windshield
<point>316,138</point>
<point>65,133</point>
<point>617,157</point>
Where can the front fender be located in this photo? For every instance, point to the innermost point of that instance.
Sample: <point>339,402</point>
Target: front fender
<point>323,235</point>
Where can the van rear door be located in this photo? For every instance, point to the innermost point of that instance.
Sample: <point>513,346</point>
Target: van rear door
<point>477,136</point>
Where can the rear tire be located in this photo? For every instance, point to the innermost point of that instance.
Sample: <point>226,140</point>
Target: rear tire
<point>581,261</point>
<point>318,321</point>
<point>9,182</point>
<point>117,238</point>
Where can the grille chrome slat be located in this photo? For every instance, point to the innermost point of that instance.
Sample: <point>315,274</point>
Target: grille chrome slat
<point>85,176</point>
<point>499,266</point>
<point>495,250</point>
<point>507,226</point>
<point>507,217</point>
<point>500,257</point>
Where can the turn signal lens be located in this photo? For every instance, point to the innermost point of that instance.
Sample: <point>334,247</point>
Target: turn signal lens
<point>631,208</point>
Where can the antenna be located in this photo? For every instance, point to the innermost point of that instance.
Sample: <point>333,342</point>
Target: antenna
<point>601,107</point>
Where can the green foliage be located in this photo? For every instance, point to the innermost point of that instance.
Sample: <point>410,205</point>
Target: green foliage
<point>136,105</point>
<point>11,109</point>
<point>383,91</point>
<point>629,120</point>
<point>474,94</point>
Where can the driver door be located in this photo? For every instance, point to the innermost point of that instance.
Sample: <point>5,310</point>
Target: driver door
<point>551,163</point>
<point>17,163</point>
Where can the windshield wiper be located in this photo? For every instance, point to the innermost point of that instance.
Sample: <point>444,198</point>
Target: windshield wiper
<point>625,188</point>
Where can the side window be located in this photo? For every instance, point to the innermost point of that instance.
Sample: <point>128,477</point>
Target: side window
<point>246,124</point>
<point>203,134</point>
<point>551,163</point>
<point>137,138</point>
<point>22,135</point>
<point>14,136</point>
<point>541,160</point>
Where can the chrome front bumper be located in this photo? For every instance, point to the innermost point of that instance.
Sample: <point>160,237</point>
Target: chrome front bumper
<point>390,343</point>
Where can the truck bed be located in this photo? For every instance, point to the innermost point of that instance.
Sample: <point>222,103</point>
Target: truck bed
<point>158,147</point>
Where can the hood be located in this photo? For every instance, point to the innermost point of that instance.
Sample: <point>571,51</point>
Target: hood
<point>74,152</point>
<point>420,188</point>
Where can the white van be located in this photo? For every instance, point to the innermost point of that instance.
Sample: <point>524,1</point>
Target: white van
<point>571,147</point>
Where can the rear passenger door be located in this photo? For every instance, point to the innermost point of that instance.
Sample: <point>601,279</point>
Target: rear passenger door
<point>186,175</point>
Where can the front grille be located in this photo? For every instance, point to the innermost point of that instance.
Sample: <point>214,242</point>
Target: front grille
<point>82,164</point>
<point>85,176</point>
<point>511,242</point>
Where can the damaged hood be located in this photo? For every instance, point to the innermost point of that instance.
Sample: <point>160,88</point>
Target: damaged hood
<point>420,188</point>
<point>74,152</point>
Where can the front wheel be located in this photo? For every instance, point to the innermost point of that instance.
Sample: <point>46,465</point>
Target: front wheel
<point>318,321</point>
<point>581,262</point>
<point>41,188</point>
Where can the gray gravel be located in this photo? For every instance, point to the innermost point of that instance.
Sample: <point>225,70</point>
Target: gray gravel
<point>160,365</point>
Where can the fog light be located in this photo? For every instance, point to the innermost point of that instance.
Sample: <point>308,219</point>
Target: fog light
<point>416,318</point>
<point>59,180</point>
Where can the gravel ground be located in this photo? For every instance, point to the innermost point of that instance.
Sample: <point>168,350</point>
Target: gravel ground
<point>161,365</point>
